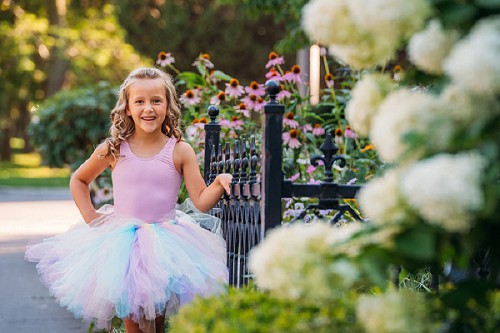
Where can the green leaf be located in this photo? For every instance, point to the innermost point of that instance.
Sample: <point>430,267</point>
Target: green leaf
<point>417,243</point>
<point>221,75</point>
<point>491,4</point>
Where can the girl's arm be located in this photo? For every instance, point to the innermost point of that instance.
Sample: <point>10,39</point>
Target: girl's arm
<point>203,197</point>
<point>83,176</point>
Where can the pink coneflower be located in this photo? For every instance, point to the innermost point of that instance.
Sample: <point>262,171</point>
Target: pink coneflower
<point>283,93</point>
<point>203,59</point>
<point>224,123</point>
<point>349,133</point>
<point>294,75</point>
<point>329,80</point>
<point>295,177</point>
<point>307,128</point>
<point>250,101</point>
<point>273,74</point>
<point>274,60</point>
<point>221,96</point>
<point>313,181</point>
<point>242,108</point>
<point>318,130</point>
<point>289,120</point>
<point>236,123</point>
<point>189,97</point>
<point>311,169</point>
<point>256,89</point>
<point>233,88</point>
<point>291,138</point>
<point>259,104</point>
<point>338,136</point>
<point>397,73</point>
<point>165,59</point>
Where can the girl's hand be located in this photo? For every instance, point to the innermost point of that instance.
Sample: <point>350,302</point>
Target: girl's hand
<point>225,180</point>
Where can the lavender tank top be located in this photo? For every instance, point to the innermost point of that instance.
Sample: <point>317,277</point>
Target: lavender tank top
<point>146,188</point>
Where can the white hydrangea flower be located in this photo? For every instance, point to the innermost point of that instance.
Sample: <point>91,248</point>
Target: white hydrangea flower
<point>393,312</point>
<point>446,189</point>
<point>390,18</point>
<point>466,107</point>
<point>427,49</point>
<point>329,22</point>
<point>474,61</point>
<point>404,113</point>
<point>381,200</point>
<point>365,99</point>
<point>296,262</point>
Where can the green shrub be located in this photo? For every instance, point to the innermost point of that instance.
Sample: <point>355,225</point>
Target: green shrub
<point>70,124</point>
<point>251,311</point>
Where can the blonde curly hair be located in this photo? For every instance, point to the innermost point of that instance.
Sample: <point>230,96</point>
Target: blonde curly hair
<point>122,125</point>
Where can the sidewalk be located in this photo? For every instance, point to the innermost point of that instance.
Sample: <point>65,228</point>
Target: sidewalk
<point>25,304</point>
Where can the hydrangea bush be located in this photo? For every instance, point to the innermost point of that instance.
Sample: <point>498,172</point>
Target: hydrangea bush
<point>434,205</point>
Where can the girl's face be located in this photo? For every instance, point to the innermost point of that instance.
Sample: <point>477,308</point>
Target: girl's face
<point>147,105</point>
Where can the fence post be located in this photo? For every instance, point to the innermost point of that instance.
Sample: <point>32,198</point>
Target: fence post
<point>272,156</point>
<point>212,130</point>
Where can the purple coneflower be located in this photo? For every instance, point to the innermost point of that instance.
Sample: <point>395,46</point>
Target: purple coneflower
<point>256,89</point>
<point>165,59</point>
<point>310,169</point>
<point>294,75</point>
<point>236,123</point>
<point>221,96</point>
<point>189,97</point>
<point>291,138</point>
<point>295,177</point>
<point>338,136</point>
<point>283,93</point>
<point>289,120</point>
<point>242,108</point>
<point>233,88</point>
<point>273,74</point>
<point>204,59</point>
<point>329,80</point>
<point>349,133</point>
<point>318,130</point>
<point>274,60</point>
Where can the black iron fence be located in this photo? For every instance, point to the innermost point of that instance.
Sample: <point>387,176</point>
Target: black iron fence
<point>258,187</point>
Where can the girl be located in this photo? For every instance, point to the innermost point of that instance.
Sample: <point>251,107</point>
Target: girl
<point>141,259</point>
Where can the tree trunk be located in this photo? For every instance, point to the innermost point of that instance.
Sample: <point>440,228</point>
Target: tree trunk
<point>5,151</point>
<point>58,64</point>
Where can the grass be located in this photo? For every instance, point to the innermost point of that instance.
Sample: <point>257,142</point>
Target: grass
<point>25,170</point>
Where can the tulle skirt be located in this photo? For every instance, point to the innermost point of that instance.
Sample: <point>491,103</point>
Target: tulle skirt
<point>124,267</point>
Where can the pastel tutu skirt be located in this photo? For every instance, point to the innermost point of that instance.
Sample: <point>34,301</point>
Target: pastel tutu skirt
<point>121,266</point>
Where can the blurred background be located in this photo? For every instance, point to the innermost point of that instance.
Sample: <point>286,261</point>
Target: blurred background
<point>84,48</point>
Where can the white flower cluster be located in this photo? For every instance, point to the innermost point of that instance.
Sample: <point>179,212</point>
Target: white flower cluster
<point>406,113</point>
<point>474,61</point>
<point>366,97</point>
<point>446,189</point>
<point>296,262</point>
<point>360,33</point>
<point>381,199</point>
<point>427,49</point>
<point>393,312</point>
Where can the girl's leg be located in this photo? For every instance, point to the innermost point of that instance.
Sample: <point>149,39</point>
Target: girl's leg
<point>160,324</point>
<point>131,326</point>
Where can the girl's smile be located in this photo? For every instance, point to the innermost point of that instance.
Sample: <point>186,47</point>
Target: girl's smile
<point>147,105</point>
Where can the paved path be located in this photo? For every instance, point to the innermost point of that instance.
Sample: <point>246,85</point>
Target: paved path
<point>25,304</point>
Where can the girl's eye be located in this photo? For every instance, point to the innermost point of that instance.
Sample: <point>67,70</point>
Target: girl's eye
<point>157,101</point>
<point>139,101</point>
